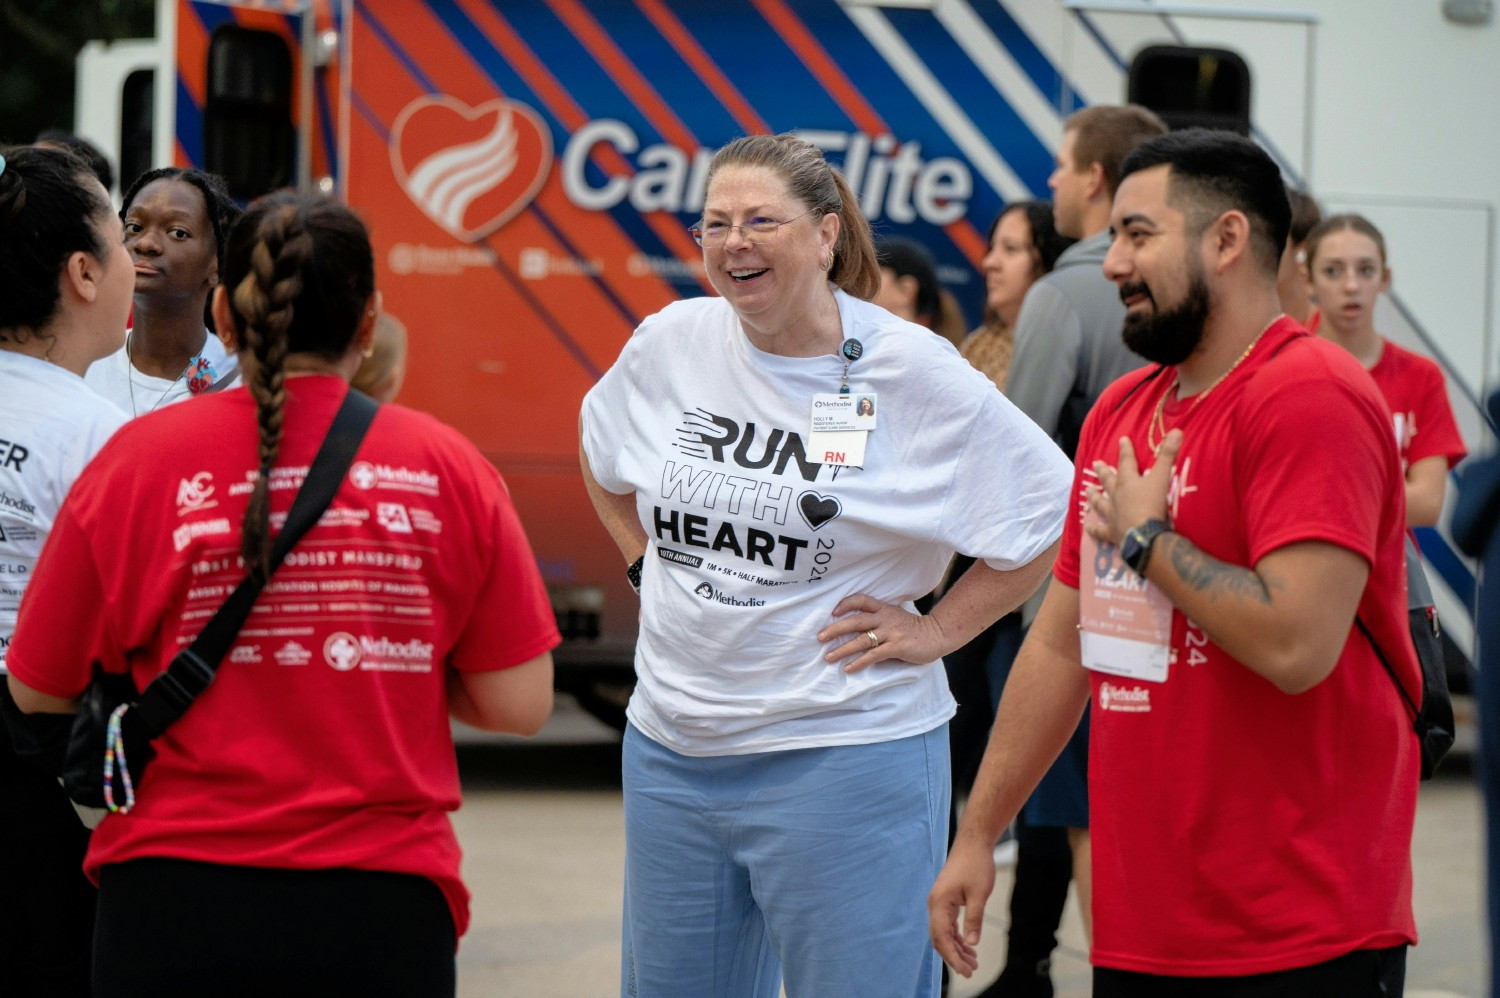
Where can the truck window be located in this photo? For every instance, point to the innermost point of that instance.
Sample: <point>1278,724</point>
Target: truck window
<point>247,118</point>
<point>137,120</point>
<point>1192,87</point>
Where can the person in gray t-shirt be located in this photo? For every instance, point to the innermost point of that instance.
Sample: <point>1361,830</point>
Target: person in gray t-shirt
<point>1068,346</point>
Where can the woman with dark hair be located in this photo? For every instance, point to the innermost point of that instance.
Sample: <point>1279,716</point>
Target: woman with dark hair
<point>909,288</point>
<point>67,293</point>
<point>1024,245</point>
<point>786,761</point>
<point>176,224</point>
<point>92,156</point>
<point>291,835</point>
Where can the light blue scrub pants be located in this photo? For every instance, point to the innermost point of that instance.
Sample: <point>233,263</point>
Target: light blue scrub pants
<point>813,861</point>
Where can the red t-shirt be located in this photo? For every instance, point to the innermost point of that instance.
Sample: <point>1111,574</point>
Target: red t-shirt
<point>324,741</point>
<point>1237,829</point>
<point>1417,394</point>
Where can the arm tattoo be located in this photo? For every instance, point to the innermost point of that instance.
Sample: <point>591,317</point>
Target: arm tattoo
<point>1213,577</point>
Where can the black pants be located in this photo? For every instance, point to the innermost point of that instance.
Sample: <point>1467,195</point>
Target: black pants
<point>46,903</point>
<point>174,929</point>
<point>1364,973</point>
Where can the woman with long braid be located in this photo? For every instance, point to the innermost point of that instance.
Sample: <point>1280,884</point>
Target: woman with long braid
<point>292,834</point>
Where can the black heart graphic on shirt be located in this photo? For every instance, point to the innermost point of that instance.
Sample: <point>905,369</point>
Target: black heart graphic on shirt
<point>818,510</point>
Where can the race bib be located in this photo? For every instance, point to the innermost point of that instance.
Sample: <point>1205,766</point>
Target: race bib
<point>1125,623</point>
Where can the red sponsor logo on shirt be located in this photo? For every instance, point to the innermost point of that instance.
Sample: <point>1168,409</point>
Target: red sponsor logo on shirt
<point>292,653</point>
<point>195,493</point>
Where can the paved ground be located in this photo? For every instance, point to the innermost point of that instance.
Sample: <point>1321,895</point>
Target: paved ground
<point>542,834</point>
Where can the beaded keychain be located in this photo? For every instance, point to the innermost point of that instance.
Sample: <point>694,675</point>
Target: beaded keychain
<point>114,742</point>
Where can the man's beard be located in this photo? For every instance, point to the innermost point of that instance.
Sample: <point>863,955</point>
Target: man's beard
<point>1168,337</point>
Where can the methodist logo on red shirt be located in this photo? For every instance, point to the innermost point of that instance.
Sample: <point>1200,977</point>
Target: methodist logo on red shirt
<point>1128,699</point>
<point>342,651</point>
<point>470,169</point>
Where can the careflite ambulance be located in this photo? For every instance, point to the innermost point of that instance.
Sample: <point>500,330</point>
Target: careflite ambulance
<point>529,169</point>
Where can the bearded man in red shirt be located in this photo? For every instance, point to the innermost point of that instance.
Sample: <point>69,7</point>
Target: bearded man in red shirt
<point>1253,778</point>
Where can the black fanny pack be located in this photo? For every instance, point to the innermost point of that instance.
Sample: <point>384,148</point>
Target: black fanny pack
<point>1433,718</point>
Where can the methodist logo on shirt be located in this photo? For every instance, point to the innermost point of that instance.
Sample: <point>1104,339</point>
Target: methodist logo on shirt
<point>366,475</point>
<point>1124,699</point>
<point>713,596</point>
<point>345,652</point>
<point>17,506</point>
<point>341,651</point>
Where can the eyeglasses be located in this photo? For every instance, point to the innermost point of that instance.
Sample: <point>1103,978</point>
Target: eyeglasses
<point>757,230</point>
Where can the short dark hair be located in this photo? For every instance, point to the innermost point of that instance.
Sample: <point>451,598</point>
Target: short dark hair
<point>85,150</point>
<point>221,209</point>
<point>49,210</point>
<point>1105,134</point>
<point>908,258</point>
<point>1212,172</point>
<point>1305,214</point>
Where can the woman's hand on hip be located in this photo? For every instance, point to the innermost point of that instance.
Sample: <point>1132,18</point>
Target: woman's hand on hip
<point>869,631</point>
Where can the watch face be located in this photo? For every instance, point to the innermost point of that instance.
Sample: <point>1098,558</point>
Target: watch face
<point>1135,549</point>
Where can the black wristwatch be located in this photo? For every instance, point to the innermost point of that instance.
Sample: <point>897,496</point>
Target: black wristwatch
<point>1135,549</point>
<point>633,573</point>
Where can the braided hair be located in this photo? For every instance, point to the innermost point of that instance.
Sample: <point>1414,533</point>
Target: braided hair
<point>50,208</point>
<point>299,273</point>
<point>221,209</point>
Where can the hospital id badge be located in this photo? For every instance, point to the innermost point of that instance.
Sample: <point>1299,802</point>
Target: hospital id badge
<point>1125,623</point>
<point>838,413</point>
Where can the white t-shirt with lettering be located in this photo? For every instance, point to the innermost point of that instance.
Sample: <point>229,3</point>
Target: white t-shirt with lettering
<point>51,424</point>
<point>137,394</point>
<point>753,541</point>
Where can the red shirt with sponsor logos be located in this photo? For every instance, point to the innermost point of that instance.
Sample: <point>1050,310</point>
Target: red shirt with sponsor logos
<point>1417,394</point>
<point>1237,829</point>
<point>324,741</point>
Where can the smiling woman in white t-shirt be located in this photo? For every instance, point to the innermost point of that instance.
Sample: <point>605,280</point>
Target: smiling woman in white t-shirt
<point>176,224</point>
<point>67,282</point>
<point>786,764</point>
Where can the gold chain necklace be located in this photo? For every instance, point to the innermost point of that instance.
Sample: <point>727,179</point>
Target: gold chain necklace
<point>130,379</point>
<point>1156,430</point>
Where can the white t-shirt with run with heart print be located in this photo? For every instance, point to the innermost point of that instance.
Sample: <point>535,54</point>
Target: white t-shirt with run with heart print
<point>753,540</point>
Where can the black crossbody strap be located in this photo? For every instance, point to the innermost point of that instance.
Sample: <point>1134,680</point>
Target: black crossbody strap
<point>170,694</point>
<point>1410,704</point>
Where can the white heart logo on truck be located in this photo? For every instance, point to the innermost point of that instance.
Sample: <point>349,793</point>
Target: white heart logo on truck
<point>470,170</point>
